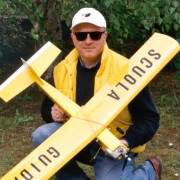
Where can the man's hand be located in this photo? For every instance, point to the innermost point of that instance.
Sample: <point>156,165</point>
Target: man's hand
<point>58,114</point>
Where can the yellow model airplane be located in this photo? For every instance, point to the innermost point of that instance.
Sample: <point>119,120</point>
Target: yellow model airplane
<point>88,122</point>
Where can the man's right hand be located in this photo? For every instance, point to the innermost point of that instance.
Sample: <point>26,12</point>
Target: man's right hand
<point>58,114</point>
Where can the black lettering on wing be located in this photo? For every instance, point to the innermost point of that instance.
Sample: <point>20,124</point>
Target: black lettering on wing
<point>54,152</point>
<point>113,95</point>
<point>44,159</point>
<point>26,175</point>
<point>153,53</point>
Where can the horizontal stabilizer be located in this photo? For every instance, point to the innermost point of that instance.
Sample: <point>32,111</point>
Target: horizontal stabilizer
<point>20,79</point>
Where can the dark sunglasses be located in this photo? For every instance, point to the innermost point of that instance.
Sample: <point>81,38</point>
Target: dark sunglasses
<point>81,36</point>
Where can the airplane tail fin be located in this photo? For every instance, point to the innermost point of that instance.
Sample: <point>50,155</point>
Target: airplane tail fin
<point>20,79</point>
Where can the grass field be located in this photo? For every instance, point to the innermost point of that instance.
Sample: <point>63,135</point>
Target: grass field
<point>20,116</point>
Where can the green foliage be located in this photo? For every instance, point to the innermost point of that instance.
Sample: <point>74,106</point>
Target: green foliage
<point>23,119</point>
<point>177,63</point>
<point>18,119</point>
<point>135,21</point>
<point>24,96</point>
<point>128,20</point>
<point>11,33</point>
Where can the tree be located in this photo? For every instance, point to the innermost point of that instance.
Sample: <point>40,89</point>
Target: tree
<point>130,22</point>
<point>11,32</point>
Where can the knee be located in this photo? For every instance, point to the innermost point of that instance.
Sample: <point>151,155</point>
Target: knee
<point>43,132</point>
<point>38,136</point>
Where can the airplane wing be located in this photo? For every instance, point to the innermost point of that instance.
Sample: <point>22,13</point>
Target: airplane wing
<point>89,122</point>
<point>20,80</point>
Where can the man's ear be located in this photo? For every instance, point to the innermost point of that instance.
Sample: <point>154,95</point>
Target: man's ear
<point>71,35</point>
<point>105,37</point>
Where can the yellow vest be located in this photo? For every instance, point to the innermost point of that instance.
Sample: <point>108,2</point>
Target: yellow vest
<point>111,64</point>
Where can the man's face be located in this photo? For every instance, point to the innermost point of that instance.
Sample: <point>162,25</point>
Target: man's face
<point>89,49</point>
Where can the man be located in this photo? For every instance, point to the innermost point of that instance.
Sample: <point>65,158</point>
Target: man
<point>79,76</point>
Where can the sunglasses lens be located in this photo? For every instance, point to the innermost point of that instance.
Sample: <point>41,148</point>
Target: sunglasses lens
<point>81,36</point>
<point>95,35</point>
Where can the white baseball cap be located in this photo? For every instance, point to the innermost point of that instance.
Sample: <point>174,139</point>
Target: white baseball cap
<point>88,15</point>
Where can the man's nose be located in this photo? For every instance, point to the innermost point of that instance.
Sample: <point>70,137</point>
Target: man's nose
<point>88,39</point>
